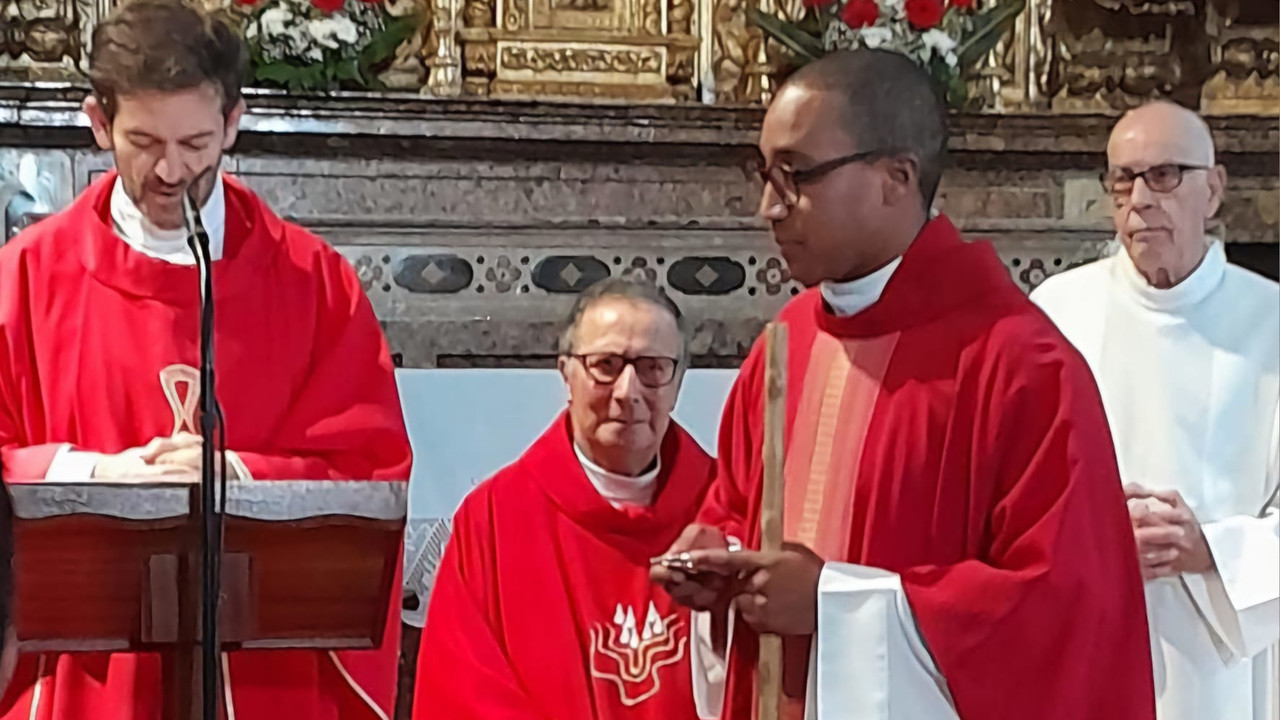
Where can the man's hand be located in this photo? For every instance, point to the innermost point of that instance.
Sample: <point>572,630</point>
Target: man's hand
<point>184,450</point>
<point>147,462</point>
<point>700,591</point>
<point>778,591</point>
<point>1170,541</point>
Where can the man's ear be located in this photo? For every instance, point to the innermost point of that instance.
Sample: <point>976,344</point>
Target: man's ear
<point>903,173</point>
<point>232,128</point>
<point>1217,188</point>
<point>99,121</point>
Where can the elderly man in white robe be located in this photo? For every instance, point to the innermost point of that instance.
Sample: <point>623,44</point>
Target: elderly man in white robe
<point>1186,350</point>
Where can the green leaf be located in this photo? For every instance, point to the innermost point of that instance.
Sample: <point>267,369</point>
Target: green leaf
<point>276,72</point>
<point>989,27</point>
<point>804,45</point>
<point>384,45</point>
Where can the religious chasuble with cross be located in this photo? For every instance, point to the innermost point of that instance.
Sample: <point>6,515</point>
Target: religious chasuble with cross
<point>98,346</point>
<point>950,435</point>
<point>543,608</point>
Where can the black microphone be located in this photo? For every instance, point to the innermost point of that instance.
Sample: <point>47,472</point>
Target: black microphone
<point>211,420</point>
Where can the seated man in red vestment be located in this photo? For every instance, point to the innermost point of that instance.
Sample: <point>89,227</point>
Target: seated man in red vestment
<point>542,607</point>
<point>958,544</point>
<point>99,341</point>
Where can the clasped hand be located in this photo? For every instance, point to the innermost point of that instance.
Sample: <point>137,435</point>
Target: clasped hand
<point>164,457</point>
<point>774,592</point>
<point>1170,540</point>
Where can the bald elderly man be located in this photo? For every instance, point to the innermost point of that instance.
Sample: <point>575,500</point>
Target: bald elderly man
<point>1186,350</point>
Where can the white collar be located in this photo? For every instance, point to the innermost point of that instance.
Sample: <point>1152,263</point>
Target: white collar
<point>853,296</point>
<point>619,489</point>
<point>168,245</point>
<point>1195,287</point>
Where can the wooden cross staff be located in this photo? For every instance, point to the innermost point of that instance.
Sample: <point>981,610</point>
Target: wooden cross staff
<point>769,667</point>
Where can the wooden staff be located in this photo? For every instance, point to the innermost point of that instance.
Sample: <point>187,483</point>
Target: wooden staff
<point>769,668</point>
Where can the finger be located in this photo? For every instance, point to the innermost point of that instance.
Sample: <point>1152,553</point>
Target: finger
<point>161,445</point>
<point>751,608</point>
<point>1138,509</point>
<point>756,582</point>
<point>1159,557</point>
<point>725,562</point>
<point>1170,497</point>
<point>1174,515</point>
<point>1158,535</point>
<point>1136,490</point>
<point>1155,572</point>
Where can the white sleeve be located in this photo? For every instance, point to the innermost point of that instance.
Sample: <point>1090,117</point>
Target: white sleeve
<point>69,465</point>
<point>1240,599</point>
<point>872,663</point>
<point>710,668</point>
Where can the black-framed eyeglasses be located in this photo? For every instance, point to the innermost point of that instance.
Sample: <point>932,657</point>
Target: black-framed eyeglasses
<point>1163,178</point>
<point>652,371</point>
<point>786,181</point>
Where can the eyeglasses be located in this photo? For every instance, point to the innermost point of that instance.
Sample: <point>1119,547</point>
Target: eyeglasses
<point>1164,178</point>
<point>786,181</point>
<point>653,371</point>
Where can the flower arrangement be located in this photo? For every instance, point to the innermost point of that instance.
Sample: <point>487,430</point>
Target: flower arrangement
<point>947,37</point>
<point>321,45</point>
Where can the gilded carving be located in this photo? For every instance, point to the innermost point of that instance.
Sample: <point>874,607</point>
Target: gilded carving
<point>442,52</point>
<point>1245,75</point>
<point>478,14</point>
<point>580,4</point>
<point>46,39</point>
<point>681,65</point>
<point>407,70</point>
<point>515,14</point>
<point>651,17</point>
<point>543,59</point>
<point>735,47</point>
<point>586,90</point>
<point>680,17</point>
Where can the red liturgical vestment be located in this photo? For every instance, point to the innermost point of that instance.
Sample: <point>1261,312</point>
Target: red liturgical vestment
<point>949,434</point>
<point>98,349</point>
<point>543,608</point>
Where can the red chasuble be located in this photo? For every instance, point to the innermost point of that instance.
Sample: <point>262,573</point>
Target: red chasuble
<point>97,343</point>
<point>542,607</point>
<point>950,434</point>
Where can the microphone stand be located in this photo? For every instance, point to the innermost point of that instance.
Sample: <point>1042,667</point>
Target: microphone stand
<point>211,515</point>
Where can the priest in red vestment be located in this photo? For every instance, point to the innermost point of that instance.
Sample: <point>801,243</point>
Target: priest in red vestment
<point>99,344</point>
<point>958,540</point>
<point>542,608</point>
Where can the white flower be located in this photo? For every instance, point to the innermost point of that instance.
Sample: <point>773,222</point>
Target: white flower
<point>332,31</point>
<point>893,8</point>
<point>937,41</point>
<point>275,22</point>
<point>874,36</point>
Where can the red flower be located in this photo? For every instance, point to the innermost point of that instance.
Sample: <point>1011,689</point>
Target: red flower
<point>924,14</point>
<point>962,4</point>
<point>246,3</point>
<point>328,5</point>
<point>860,13</point>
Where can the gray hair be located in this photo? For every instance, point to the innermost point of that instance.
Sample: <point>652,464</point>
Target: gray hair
<point>631,290</point>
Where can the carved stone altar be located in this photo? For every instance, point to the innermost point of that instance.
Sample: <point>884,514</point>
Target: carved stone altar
<point>473,223</point>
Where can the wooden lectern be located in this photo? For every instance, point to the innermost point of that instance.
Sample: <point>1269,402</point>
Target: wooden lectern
<point>112,567</point>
